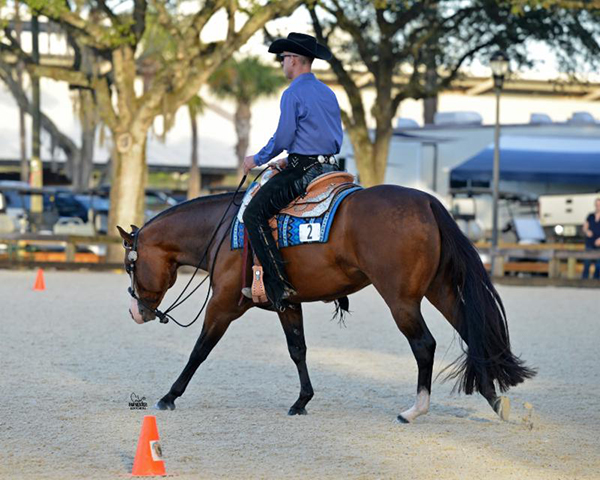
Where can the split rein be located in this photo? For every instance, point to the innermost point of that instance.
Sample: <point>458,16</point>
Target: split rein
<point>132,256</point>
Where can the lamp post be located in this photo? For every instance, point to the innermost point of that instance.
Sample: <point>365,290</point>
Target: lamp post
<point>499,64</point>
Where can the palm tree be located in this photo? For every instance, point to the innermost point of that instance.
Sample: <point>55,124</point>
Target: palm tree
<point>245,81</point>
<point>195,107</point>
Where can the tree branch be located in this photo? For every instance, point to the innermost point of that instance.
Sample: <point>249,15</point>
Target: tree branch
<point>396,101</point>
<point>106,9</point>
<point>205,14</point>
<point>17,52</point>
<point>205,62</point>
<point>58,138</point>
<point>414,43</point>
<point>90,33</point>
<point>104,102</point>
<point>445,81</point>
<point>14,46</point>
<point>72,77</point>
<point>139,19</point>
<point>355,32</point>
<point>231,9</point>
<point>349,86</point>
<point>124,80</point>
<point>165,19</point>
<point>411,14</point>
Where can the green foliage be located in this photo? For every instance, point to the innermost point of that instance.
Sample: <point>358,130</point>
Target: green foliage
<point>195,106</point>
<point>113,36</point>
<point>158,45</point>
<point>246,80</point>
<point>53,8</point>
<point>4,21</point>
<point>450,33</point>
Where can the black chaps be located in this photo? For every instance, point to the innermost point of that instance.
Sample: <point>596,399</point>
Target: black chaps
<point>273,196</point>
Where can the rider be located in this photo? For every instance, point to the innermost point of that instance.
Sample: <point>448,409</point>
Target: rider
<point>310,130</point>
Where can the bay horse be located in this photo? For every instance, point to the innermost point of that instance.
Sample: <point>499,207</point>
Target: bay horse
<point>402,241</point>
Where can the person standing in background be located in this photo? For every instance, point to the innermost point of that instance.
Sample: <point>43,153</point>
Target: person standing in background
<point>591,230</point>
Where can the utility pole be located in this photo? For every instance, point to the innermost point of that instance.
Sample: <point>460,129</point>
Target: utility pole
<point>36,169</point>
<point>22,132</point>
<point>500,65</point>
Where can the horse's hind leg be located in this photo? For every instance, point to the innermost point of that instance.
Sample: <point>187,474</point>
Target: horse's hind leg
<point>291,321</point>
<point>407,315</point>
<point>441,295</point>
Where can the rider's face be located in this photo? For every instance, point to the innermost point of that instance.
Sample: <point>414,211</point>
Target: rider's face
<point>287,62</point>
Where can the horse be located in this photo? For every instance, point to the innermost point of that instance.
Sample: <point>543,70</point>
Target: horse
<point>401,240</point>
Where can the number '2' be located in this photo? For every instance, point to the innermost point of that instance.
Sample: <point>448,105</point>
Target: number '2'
<point>309,237</point>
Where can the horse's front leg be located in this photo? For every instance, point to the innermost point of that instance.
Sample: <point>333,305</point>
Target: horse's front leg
<point>291,320</point>
<point>216,322</point>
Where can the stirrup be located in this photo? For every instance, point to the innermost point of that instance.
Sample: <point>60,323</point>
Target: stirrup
<point>247,292</point>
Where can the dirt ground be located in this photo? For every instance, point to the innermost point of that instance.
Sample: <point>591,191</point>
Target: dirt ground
<point>71,358</point>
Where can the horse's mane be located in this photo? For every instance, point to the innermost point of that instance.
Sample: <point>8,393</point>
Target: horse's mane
<point>193,203</point>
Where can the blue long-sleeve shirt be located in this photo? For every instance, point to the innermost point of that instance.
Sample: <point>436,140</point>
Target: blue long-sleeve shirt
<point>310,121</point>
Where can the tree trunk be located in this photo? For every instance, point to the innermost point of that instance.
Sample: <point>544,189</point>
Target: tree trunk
<point>194,181</point>
<point>89,123</point>
<point>430,104</point>
<point>371,155</point>
<point>128,185</point>
<point>380,154</point>
<point>243,115</point>
<point>22,131</point>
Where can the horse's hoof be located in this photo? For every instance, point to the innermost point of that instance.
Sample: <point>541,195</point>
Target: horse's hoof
<point>297,411</point>
<point>163,404</point>
<point>401,419</point>
<point>502,408</point>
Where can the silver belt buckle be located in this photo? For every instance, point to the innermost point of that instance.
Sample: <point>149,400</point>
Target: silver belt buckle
<point>321,159</point>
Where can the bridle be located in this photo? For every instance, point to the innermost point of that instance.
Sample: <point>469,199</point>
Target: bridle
<point>132,256</point>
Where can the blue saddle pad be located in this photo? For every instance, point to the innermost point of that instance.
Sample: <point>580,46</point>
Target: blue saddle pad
<point>297,231</point>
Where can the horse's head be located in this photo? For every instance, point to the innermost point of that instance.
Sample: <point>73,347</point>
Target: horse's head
<point>152,270</point>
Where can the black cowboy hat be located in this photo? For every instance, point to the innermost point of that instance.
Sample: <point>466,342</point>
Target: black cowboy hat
<point>301,44</point>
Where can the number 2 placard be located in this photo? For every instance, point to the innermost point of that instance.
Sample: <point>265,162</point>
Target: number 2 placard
<point>310,232</point>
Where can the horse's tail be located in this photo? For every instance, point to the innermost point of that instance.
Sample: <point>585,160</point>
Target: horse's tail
<point>342,306</point>
<point>479,314</point>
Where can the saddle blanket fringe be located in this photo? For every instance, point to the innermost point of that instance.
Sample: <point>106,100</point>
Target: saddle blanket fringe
<point>294,231</point>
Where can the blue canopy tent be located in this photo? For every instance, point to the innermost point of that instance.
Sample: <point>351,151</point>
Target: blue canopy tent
<point>573,160</point>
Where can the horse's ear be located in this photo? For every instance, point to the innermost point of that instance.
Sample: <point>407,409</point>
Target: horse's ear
<point>127,237</point>
<point>134,229</point>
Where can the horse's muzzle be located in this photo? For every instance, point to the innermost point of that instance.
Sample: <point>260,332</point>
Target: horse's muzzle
<point>140,316</point>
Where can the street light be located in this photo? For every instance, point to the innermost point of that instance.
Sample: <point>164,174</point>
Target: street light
<point>499,64</point>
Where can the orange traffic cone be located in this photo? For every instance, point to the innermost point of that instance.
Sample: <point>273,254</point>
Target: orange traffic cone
<point>148,457</point>
<point>39,281</point>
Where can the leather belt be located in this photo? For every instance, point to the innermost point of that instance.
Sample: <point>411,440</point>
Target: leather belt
<point>307,161</point>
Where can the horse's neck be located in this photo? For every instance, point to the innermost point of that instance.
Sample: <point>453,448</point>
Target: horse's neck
<point>189,228</point>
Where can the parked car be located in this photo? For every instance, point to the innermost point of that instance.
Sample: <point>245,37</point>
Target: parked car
<point>57,203</point>
<point>98,206</point>
<point>14,203</point>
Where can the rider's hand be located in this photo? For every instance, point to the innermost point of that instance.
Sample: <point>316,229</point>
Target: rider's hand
<point>589,234</point>
<point>280,164</point>
<point>249,164</point>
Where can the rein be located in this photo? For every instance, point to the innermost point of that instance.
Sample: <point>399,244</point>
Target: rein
<point>132,256</point>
